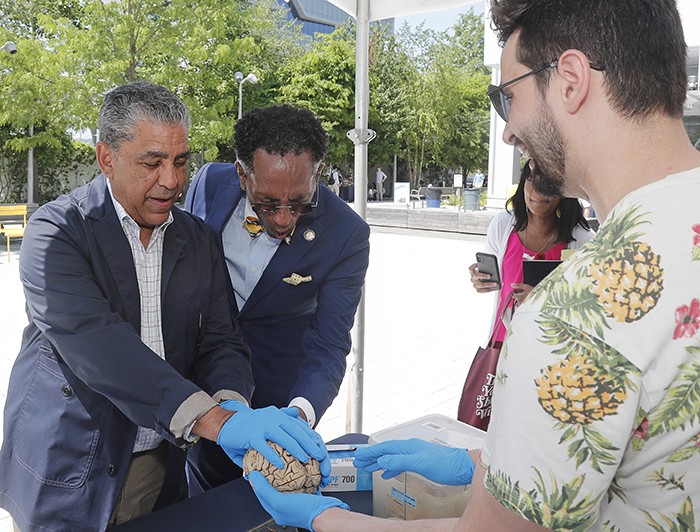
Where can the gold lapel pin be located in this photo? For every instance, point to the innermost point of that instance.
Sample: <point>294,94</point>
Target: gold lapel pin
<point>296,279</point>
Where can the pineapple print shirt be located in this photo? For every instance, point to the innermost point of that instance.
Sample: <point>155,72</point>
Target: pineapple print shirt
<point>596,408</point>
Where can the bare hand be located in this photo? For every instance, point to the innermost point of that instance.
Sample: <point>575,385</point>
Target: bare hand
<point>302,415</point>
<point>521,292</point>
<point>481,280</point>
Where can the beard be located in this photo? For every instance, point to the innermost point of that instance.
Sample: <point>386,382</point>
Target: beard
<point>546,146</point>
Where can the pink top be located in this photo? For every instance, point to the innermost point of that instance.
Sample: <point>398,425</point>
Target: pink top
<point>512,271</point>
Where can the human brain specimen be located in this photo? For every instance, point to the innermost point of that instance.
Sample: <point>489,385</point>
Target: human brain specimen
<point>294,476</point>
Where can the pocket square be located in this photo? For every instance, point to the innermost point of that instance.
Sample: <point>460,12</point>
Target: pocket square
<point>296,279</point>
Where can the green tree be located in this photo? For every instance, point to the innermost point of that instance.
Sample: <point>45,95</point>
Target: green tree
<point>323,81</point>
<point>393,77</point>
<point>71,53</point>
<point>464,113</point>
<point>429,101</point>
<point>33,91</point>
<point>192,47</point>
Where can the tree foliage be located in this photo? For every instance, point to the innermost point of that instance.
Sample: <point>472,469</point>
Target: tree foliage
<point>323,81</point>
<point>435,87</point>
<point>427,104</point>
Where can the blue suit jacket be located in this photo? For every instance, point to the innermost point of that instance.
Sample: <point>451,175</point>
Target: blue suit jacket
<point>83,380</point>
<point>299,335</point>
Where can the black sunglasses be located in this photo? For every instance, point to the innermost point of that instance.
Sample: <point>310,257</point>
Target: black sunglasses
<point>501,101</point>
<point>297,208</point>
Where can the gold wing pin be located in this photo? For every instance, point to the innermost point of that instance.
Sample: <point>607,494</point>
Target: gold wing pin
<point>297,279</point>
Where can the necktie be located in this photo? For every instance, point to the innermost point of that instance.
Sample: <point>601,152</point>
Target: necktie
<point>253,226</point>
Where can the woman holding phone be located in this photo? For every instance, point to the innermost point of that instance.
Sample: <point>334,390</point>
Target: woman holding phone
<point>534,227</point>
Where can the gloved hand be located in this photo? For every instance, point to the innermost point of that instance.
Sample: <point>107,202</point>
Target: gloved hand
<point>291,509</point>
<point>325,462</point>
<point>445,465</point>
<point>252,428</point>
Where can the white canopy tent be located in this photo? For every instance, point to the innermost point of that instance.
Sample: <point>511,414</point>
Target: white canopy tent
<point>366,11</point>
<point>381,9</point>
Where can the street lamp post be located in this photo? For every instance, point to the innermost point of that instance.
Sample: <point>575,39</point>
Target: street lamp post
<point>238,76</point>
<point>9,47</point>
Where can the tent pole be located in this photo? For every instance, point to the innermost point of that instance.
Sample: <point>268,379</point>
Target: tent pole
<point>361,136</point>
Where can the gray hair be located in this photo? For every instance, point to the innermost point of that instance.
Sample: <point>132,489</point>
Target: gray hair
<point>127,105</point>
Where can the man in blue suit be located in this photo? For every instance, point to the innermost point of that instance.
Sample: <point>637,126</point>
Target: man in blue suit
<point>297,273</point>
<point>131,353</point>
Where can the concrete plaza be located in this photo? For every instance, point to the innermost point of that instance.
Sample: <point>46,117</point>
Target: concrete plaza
<point>424,322</point>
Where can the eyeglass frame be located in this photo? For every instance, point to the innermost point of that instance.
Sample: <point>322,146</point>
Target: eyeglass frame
<point>262,208</point>
<point>501,100</point>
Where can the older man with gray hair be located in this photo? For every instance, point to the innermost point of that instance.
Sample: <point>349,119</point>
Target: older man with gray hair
<point>131,353</point>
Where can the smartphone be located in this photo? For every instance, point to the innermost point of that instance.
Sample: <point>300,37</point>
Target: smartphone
<point>488,263</point>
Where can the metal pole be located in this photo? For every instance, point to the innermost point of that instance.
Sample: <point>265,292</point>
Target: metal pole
<point>240,99</point>
<point>30,169</point>
<point>361,136</point>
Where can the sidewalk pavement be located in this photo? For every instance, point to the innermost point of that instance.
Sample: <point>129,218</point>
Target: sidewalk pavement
<point>424,322</point>
<point>414,215</point>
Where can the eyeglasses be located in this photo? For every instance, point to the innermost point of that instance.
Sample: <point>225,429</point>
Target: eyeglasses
<point>296,208</point>
<point>501,101</point>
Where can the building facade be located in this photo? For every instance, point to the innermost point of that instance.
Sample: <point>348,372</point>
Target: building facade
<point>315,16</point>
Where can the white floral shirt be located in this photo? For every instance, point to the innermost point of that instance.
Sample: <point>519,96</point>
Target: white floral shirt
<point>596,411</point>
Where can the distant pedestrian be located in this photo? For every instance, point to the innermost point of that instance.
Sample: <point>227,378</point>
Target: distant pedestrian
<point>372,192</point>
<point>347,189</point>
<point>381,177</point>
<point>478,179</point>
<point>334,180</point>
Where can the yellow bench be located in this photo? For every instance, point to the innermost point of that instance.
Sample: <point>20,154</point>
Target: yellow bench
<point>13,220</point>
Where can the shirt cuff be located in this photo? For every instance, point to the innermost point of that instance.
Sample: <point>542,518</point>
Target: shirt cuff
<point>305,407</point>
<point>229,395</point>
<point>194,407</point>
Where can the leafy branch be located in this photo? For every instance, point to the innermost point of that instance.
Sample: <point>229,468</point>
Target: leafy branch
<point>670,482</point>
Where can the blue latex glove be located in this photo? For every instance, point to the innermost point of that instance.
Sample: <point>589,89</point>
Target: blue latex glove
<point>291,509</point>
<point>441,464</point>
<point>325,462</point>
<point>252,428</point>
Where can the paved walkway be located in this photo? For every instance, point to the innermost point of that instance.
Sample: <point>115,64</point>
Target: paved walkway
<point>447,218</point>
<point>423,324</point>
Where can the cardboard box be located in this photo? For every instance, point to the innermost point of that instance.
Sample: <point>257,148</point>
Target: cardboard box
<point>344,475</point>
<point>410,496</point>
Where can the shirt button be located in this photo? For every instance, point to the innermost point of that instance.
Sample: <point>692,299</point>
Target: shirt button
<point>112,470</point>
<point>67,391</point>
<point>253,270</point>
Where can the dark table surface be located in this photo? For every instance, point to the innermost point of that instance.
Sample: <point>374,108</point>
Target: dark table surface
<point>232,507</point>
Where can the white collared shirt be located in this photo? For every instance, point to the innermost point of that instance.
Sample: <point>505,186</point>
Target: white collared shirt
<point>251,256</point>
<point>148,264</point>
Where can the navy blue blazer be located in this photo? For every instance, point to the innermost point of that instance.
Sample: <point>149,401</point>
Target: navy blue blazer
<point>83,380</point>
<point>299,335</point>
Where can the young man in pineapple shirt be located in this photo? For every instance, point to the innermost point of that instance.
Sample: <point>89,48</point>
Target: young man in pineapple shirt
<point>596,412</point>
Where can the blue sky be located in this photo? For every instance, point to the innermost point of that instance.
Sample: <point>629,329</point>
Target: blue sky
<point>437,20</point>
